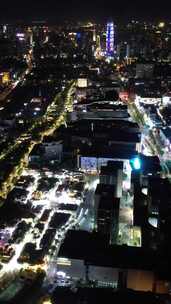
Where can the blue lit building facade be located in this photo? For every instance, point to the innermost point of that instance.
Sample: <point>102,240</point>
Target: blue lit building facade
<point>110,39</point>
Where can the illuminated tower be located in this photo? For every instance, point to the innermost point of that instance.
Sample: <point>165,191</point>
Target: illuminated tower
<point>110,37</point>
<point>98,50</point>
<point>94,35</point>
<point>4,29</point>
<point>30,34</point>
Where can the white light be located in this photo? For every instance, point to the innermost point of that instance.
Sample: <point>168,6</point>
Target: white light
<point>61,274</point>
<point>20,35</point>
<point>153,221</point>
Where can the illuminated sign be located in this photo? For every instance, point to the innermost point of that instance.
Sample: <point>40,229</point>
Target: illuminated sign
<point>166,100</point>
<point>20,35</point>
<point>63,262</point>
<point>93,163</point>
<point>110,38</point>
<point>5,78</point>
<point>82,83</point>
<point>161,24</point>
<point>78,36</point>
<point>136,163</point>
<point>124,96</point>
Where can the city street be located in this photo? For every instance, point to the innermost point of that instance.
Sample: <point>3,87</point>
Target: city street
<point>151,143</point>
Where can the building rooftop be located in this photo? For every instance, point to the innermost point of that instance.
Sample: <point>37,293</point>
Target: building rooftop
<point>113,135</point>
<point>106,190</point>
<point>106,123</point>
<point>114,151</point>
<point>108,202</point>
<point>100,295</point>
<point>96,251</point>
<point>111,168</point>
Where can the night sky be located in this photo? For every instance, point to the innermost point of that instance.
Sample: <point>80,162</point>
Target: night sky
<point>82,10</point>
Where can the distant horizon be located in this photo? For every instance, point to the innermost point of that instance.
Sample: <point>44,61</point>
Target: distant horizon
<point>55,21</point>
<point>97,10</point>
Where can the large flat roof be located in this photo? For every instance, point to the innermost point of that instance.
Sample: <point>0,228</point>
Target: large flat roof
<point>109,295</point>
<point>115,151</point>
<point>111,168</point>
<point>95,250</point>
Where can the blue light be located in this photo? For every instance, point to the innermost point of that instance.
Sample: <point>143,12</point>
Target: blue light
<point>136,163</point>
<point>78,35</point>
<point>110,37</point>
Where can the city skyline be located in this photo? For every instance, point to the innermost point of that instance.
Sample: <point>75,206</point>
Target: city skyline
<point>85,153</point>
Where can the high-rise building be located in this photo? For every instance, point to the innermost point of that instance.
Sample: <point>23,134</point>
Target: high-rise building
<point>144,70</point>
<point>110,39</point>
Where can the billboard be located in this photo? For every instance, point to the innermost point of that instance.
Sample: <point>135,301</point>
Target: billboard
<point>93,163</point>
<point>82,83</point>
<point>124,96</point>
<point>5,78</point>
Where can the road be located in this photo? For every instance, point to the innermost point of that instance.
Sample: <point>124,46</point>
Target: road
<point>9,89</point>
<point>86,220</point>
<point>44,126</point>
<point>152,141</point>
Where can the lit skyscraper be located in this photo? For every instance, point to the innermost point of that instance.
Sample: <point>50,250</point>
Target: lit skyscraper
<point>110,37</point>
